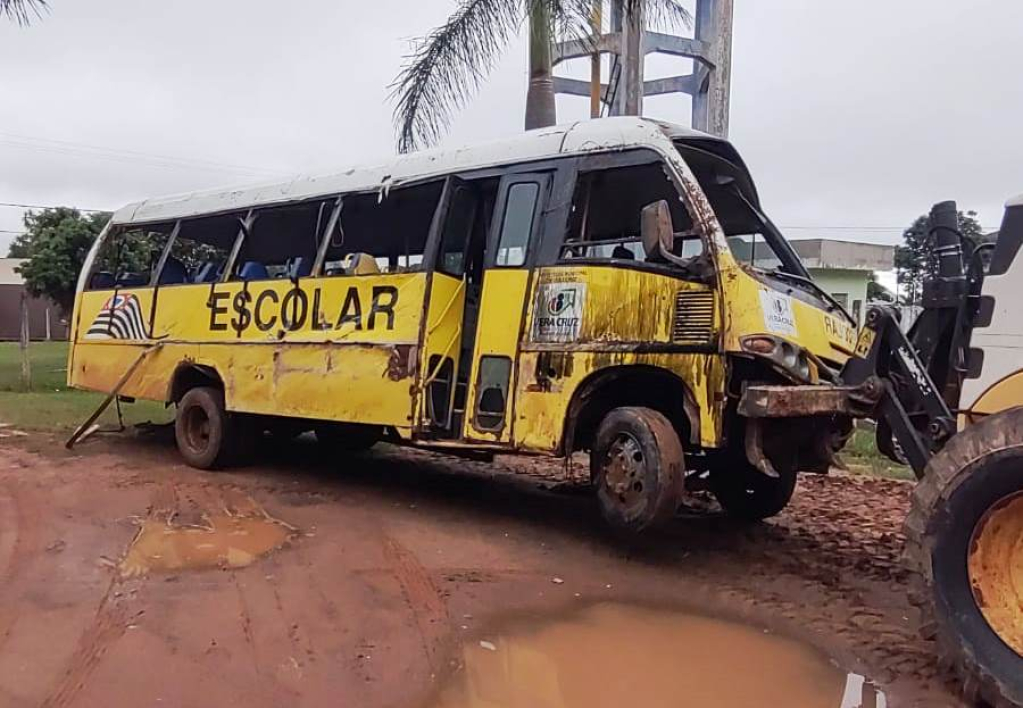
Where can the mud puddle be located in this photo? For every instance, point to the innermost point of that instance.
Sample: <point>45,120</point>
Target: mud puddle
<point>618,655</point>
<point>222,540</point>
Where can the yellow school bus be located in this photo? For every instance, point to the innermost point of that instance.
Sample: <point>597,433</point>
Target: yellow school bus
<point>608,286</point>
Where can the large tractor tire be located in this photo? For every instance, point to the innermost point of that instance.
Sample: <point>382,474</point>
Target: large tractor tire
<point>638,469</point>
<point>964,539</point>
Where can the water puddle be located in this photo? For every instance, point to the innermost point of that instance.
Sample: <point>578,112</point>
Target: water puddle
<point>616,655</point>
<point>222,540</point>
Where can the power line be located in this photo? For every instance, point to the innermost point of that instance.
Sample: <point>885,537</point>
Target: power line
<point>38,206</point>
<point>65,147</point>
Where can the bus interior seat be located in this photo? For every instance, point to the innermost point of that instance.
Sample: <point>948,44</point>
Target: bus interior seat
<point>301,267</point>
<point>173,273</point>
<point>253,270</point>
<point>132,280</point>
<point>207,272</point>
<point>102,280</point>
<point>623,253</point>
<point>361,264</point>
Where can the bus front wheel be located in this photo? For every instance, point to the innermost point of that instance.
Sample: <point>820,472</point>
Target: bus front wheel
<point>205,432</point>
<point>637,466</point>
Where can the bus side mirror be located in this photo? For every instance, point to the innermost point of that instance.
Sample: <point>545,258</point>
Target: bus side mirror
<point>656,230</point>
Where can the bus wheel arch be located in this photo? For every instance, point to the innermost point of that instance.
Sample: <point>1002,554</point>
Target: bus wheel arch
<point>189,375</point>
<point>629,385</point>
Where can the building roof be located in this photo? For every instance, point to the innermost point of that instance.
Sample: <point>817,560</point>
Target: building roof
<point>7,274</point>
<point>585,136</point>
<point>846,255</point>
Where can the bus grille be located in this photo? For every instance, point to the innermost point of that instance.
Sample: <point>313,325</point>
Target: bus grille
<point>694,318</point>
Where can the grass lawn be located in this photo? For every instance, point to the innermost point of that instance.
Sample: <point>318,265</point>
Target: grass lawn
<point>50,404</point>
<point>861,456</point>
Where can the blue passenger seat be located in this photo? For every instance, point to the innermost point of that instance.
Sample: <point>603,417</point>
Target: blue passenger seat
<point>253,270</point>
<point>208,272</point>
<point>173,273</point>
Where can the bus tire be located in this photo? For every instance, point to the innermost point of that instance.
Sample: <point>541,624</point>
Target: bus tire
<point>638,469</point>
<point>747,494</point>
<point>206,434</point>
<point>347,437</point>
<point>962,547</point>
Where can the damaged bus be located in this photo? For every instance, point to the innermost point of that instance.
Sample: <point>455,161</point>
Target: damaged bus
<point>610,286</point>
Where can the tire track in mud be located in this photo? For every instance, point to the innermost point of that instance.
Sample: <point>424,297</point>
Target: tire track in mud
<point>429,609</point>
<point>19,542</point>
<point>108,625</point>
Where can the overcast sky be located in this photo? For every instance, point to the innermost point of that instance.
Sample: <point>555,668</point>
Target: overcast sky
<point>849,114</point>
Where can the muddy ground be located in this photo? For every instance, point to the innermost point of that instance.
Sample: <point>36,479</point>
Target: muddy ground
<point>397,557</point>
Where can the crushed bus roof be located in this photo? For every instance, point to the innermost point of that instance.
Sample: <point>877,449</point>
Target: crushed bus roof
<point>585,136</point>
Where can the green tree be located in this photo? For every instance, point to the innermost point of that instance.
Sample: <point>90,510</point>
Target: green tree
<point>448,65</point>
<point>876,291</point>
<point>22,11</point>
<point>56,242</point>
<point>914,257</point>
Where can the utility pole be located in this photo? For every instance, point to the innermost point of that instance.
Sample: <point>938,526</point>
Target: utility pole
<point>628,43</point>
<point>26,366</point>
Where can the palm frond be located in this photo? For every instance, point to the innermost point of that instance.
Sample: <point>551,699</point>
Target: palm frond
<point>447,66</point>
<point>23,11</point>
<point>666,14</point>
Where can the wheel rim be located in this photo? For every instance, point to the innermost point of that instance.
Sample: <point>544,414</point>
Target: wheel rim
<point>197,429</point>
<point>625,479</point>
<point>996,569</point>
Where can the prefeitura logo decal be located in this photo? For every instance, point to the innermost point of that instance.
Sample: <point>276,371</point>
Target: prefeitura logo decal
<point>120,318</point>
<point>559,312</point>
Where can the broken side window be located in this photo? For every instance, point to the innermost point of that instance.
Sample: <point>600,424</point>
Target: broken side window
<point>607,208</point>
<point>383,232</point>
<point>128,256</point>
<point>283,241</point>
<point>201,249</point>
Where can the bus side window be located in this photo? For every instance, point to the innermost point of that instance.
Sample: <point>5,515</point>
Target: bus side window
<point>606,209</point>
<point>284,241</point>
<point>383,232</point>
<point>128,256</point>
<point>200,250</point>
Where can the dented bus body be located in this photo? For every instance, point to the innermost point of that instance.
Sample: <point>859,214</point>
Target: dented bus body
<point>611,286</point>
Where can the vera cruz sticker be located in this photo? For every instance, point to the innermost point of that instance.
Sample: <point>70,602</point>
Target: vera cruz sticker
<point>778,314</point>
<point>559,312</point>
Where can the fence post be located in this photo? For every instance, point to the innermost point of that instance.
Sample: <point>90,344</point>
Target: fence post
<point>26,366</point>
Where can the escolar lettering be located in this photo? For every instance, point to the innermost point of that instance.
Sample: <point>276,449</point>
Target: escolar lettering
<point>297,309</point>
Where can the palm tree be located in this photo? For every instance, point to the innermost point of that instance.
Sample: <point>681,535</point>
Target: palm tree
<point>447,66</point>
<point>22,11</point>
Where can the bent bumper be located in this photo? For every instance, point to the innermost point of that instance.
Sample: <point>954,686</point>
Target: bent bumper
<point>772,401</point>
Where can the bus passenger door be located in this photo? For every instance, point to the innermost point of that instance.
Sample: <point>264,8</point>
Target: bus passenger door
<point>443,363</point>
<point>518,214</point>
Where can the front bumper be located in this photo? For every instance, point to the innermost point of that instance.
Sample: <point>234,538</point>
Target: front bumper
<point>773,401</point>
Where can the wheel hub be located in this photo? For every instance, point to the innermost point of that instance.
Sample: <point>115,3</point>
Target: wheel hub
<point>625,467</point>
<point>996,569</point>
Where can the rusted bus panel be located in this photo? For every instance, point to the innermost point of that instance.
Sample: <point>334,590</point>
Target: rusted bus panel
<point>351,382</point>
<point>98,366</point>
<point>543,401</point>
<point>341,348</point>
<point>753,308</point>
<point>618,304</point>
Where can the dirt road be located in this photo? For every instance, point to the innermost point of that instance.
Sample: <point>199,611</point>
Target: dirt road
<point>392,559</point>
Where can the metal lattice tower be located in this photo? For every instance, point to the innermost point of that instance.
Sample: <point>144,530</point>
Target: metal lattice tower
<point>628,44</point>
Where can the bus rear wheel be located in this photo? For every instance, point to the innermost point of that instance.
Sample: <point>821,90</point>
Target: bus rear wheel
<point>638,468</point>
<point>205,432</point>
